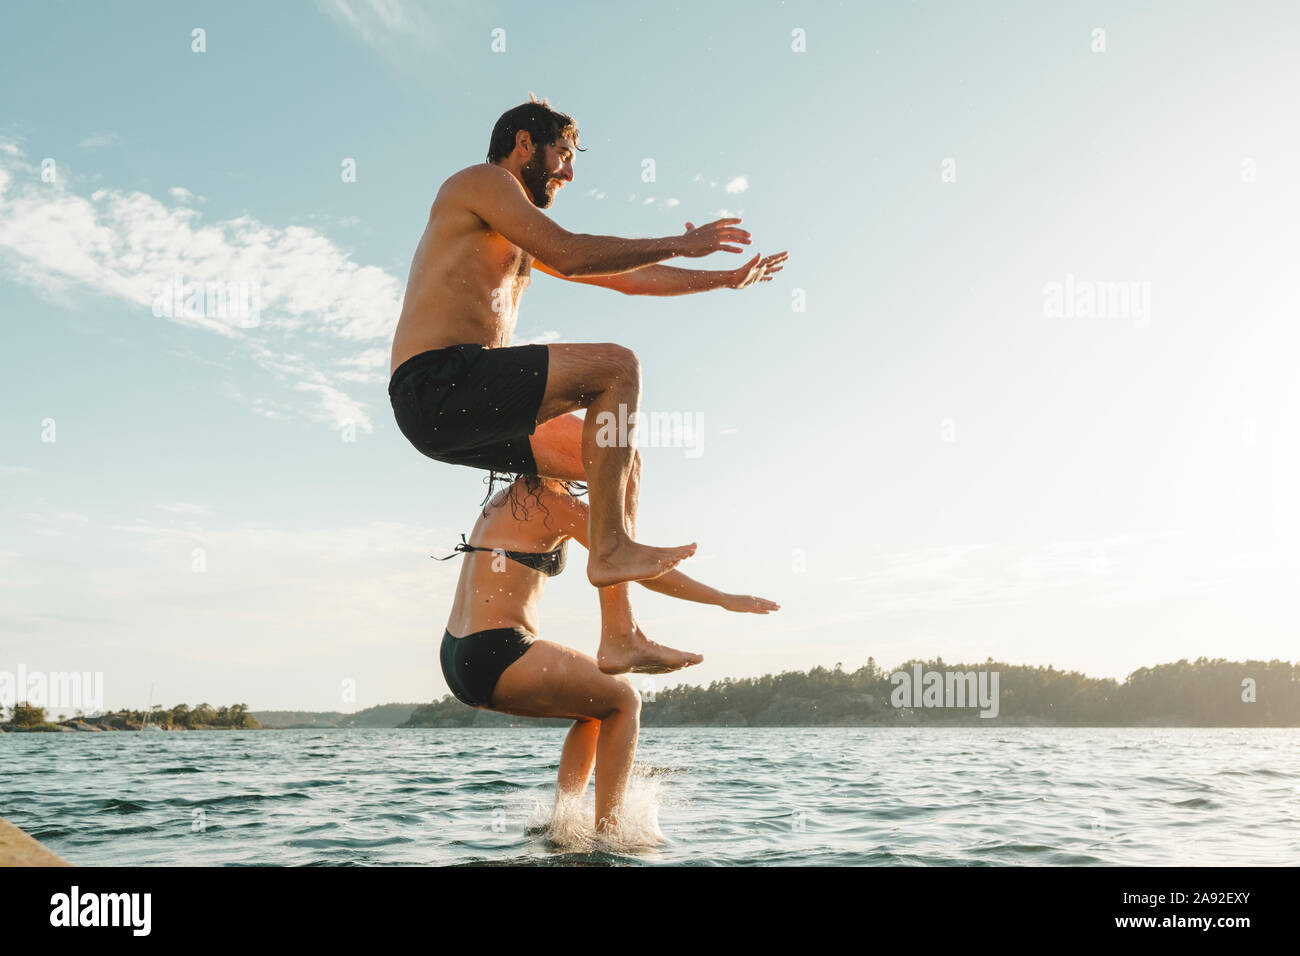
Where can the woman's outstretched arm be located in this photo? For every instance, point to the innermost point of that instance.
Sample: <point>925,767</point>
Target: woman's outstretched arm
<point>674,583</point>
<point>679,585</point>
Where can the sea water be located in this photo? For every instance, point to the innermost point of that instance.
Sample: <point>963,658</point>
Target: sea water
<point>700,796</point>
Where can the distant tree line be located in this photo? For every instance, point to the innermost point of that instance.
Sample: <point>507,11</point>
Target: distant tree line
<point>381,716</point>
<point>180,717</point>
<point>1200,693</point>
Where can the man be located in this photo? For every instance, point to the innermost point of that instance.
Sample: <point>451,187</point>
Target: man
<point>462,395</point>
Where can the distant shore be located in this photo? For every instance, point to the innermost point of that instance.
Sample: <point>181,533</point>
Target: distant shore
<point>903,721</point>
<point>92,725</point>
<point>1200,693</point>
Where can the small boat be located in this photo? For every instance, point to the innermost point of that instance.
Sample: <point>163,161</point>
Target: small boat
<point>146,725</point>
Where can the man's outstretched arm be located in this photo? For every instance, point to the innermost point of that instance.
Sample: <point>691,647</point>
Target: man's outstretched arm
<point>670,280</point>
<point>496,197</point>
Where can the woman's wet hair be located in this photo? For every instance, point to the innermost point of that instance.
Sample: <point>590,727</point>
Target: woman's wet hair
<point>532,487</point>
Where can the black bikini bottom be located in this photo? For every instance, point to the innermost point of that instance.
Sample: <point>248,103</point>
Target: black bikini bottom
<point>473,664</point>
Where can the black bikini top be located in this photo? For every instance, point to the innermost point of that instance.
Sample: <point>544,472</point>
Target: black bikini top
<point>550,563</point>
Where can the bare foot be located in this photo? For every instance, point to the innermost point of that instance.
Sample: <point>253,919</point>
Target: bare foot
<point>634,562</point>
<point>622,653</point>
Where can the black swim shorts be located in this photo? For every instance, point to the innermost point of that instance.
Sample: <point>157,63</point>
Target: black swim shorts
<point>470,405</point>
<point>473,664</point>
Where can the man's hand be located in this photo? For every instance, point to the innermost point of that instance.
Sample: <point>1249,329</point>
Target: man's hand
<point>761,268</point>
<point>747,603</point>
<point>715,236</point>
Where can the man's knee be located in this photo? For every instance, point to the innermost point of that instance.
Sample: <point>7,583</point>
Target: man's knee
<point>621,365</point>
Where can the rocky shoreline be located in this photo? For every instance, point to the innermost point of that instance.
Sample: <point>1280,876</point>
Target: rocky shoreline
<point>95,725</point>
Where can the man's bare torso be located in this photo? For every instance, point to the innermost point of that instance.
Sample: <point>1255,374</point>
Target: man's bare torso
<point>465,281</point>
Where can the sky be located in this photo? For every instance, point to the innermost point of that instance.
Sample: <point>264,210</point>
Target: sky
<point>1024,389</point>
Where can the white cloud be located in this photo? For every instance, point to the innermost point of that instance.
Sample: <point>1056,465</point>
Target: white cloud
<point>1137,567</point>
<point>737,185</point>
<point>129,245</point>
<point>104,140</point>
<point>183,508</point>
<point>544,338</point>
<point>52,516</point>
<point>369,367</point>
<point>671,202</point>
<point>399,30</point>
<point>336,407</point>
<point>180,194</point>
<point>334,587</point>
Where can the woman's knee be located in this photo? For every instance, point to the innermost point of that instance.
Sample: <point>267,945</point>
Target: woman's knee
<point>628,698</point>
<point>619,696</point>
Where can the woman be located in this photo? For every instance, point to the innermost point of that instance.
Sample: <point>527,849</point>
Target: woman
<point>493,659</point>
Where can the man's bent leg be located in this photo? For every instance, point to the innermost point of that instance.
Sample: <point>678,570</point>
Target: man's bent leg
<point>606,380</point>
<point>623,647</point>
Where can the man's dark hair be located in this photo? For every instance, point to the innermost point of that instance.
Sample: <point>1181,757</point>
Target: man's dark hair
<point>543,124</point>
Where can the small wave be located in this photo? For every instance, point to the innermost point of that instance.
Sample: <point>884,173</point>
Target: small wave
<point>317,782</point>
<point>48,833</point>
<point>1194,803</point>
<point>485,786</point>
<point>121,806</point>
<point>347,843</point>
<point>314,827</point>
<point>179,770</point>
<point>400,817</point>
<point>237,798</point>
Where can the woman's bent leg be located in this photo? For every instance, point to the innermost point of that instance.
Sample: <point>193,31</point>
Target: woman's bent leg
<point>551,680</point>
<point>577,759</point>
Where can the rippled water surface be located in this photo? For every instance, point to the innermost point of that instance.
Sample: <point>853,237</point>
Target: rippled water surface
<point>837,796</point>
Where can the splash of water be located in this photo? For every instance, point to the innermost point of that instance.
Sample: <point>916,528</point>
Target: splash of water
<point>569,822</point>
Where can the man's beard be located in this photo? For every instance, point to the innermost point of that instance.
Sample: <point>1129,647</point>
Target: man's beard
<point>536,179</point>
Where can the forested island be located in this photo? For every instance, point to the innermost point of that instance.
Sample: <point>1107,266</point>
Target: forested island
<point>28,717</point>
<point>1200,693</point>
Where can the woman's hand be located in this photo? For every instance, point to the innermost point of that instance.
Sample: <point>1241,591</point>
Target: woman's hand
<point>747,603</point>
